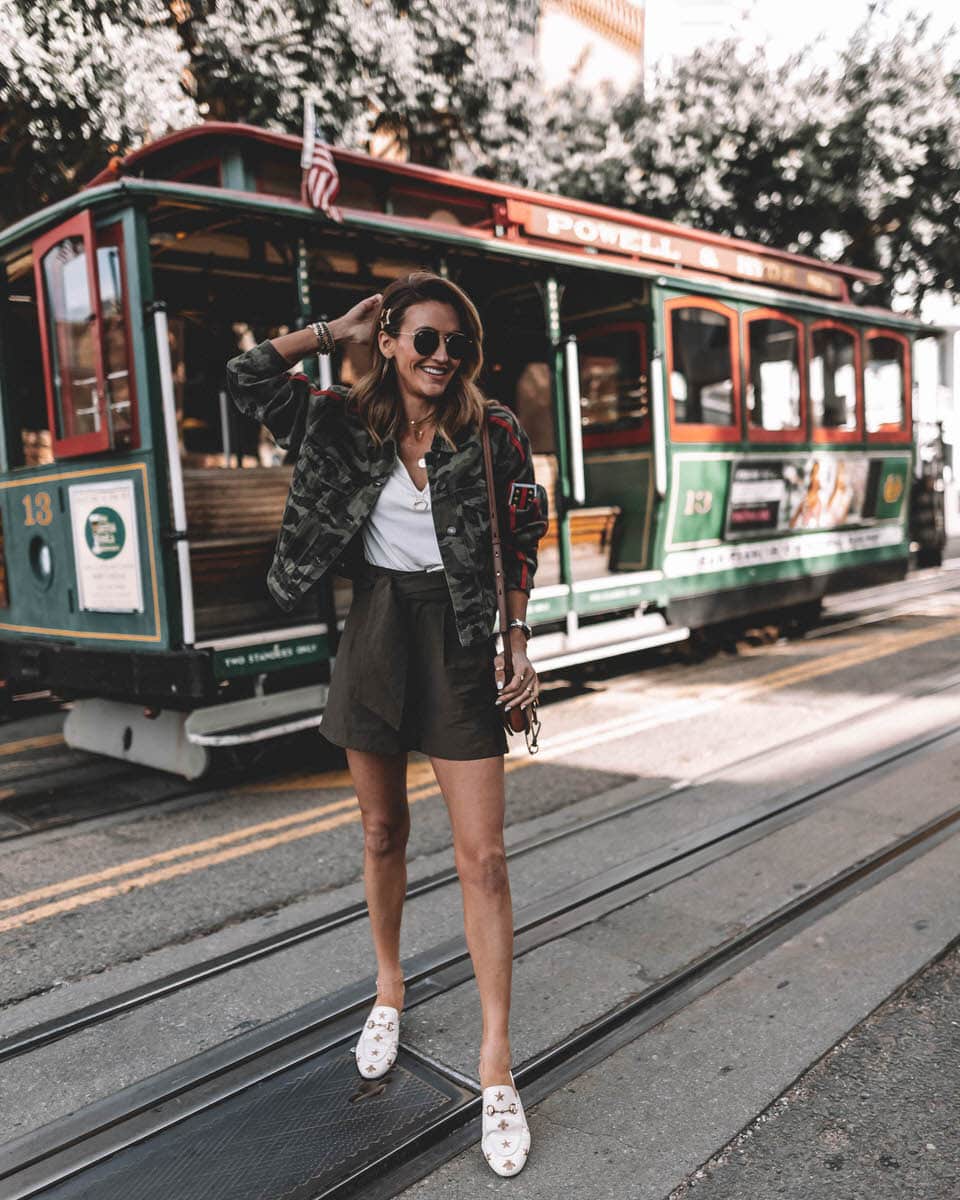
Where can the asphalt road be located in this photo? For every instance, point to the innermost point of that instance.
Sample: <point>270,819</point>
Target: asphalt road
<point>89,909</point>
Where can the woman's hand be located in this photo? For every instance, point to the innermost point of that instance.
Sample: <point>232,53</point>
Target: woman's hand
<point>356,325</point>
<point>524,687</point>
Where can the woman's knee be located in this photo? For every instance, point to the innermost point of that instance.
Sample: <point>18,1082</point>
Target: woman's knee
<point>484,868</point>
<point>383,838</point>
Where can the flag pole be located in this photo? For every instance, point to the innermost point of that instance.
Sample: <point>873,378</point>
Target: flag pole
<point>309,136</point>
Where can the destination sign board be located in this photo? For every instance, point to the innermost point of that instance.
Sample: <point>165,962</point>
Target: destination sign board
<point>669,248</point>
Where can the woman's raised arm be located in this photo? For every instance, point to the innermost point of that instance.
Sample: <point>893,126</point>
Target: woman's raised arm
<point>263,388</point>
<point>356,325</point>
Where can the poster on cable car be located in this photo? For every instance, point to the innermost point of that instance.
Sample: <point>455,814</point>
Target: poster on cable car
<point>106,548</point>
<point>822,491</point>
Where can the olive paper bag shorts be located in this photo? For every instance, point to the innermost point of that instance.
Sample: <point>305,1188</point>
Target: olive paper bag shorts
<point>401,679</point>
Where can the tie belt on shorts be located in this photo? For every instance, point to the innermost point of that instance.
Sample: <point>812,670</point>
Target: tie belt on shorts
<point>384,651</point>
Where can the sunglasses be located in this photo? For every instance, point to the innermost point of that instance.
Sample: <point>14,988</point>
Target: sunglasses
<point>426,340</point>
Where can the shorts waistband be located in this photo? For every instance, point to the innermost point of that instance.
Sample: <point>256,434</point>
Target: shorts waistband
<point>403,583</point>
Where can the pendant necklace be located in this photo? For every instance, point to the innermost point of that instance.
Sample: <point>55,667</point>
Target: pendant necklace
<point>418,433</point>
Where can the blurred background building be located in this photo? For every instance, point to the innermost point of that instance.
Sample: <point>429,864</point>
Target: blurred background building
<point>597,41</point>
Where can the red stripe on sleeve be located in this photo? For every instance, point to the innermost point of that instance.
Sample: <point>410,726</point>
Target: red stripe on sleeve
<point>513,438</point>
<point>315,390</point>
<point>523,564</point>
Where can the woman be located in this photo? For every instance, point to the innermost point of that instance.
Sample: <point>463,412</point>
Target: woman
<point>389,489</point>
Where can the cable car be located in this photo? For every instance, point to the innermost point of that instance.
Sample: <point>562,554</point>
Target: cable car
<point>724,428</point>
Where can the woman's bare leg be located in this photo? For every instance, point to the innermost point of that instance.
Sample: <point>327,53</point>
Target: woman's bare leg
<point>380,781</point>
<point>474,795</point>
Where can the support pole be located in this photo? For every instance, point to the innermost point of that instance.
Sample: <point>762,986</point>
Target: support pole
<point>174,470</point>
<point>319,368</point>
<point>551,300</point>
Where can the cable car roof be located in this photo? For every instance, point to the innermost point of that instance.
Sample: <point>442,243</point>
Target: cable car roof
<point>259,169</point>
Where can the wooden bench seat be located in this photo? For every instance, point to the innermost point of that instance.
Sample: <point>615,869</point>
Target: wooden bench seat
<point>591,527</point>
<point>233,518</point>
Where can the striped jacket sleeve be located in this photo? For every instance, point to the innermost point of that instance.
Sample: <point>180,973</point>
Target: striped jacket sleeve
<point>262,387</point>
<point>521,501</point>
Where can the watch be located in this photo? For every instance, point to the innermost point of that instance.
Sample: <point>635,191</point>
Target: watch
<point>517,623</point>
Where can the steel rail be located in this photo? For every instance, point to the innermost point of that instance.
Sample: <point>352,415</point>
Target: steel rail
<point>66,1147</point>
<point>33,1037</point>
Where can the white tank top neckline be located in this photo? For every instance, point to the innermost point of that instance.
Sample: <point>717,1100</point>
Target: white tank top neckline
<point>399,532</point>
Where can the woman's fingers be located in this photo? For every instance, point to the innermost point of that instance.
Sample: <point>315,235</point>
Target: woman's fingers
<point>523,687</point>
<point>360,318</point>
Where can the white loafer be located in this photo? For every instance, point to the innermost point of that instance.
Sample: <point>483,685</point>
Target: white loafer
<point>505,1141</point>
<point>376,1051</point>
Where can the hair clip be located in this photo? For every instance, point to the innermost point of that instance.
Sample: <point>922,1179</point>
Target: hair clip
<point>385,318</point>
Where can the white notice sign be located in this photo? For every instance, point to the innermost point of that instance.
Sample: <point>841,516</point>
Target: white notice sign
<point>104,521</point>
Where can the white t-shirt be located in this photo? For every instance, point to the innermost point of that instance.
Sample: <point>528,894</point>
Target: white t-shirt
<point>399,531</point>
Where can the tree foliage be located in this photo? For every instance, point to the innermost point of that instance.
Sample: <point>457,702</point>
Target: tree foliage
<point>79,82</point>
<point>857,159</point>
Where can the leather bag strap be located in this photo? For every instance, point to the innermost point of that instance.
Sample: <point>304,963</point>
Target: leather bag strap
<point>497,553</point>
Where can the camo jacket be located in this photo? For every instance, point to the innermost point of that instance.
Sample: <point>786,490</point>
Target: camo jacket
<point>338,475</point>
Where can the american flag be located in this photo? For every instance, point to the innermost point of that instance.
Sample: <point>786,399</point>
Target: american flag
<point>320,182</point>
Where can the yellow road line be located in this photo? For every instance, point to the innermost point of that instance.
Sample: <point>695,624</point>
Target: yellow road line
<point>417,773</point>
<point>31,743</point>
<point>302,824</point>
<point>70,903</point>
<point>162,856</point>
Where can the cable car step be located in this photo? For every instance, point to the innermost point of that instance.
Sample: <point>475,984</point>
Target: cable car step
<point>178,741</point>
<point>606,639</point>
<point>258,718</point>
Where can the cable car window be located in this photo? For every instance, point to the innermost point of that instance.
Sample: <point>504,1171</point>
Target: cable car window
<point>773,380</point>
<point>833,378</point>
<point>116,351</point>
<point>73,338</point>
<point>701,377</point>
<point>883,381</point>
<point>614,384</point>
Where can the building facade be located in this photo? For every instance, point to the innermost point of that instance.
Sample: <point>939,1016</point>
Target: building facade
<point>594,41</point>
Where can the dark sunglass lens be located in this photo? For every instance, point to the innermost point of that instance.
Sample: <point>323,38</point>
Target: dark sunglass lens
<point>425,341</point>
<point>458,345</point>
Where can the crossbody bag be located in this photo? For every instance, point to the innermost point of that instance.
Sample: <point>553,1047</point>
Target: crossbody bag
<point>517,720</point>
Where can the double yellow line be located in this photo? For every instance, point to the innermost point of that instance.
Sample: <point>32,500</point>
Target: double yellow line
<point>56,898</point>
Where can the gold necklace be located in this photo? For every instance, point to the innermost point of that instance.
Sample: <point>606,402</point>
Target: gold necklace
<point>418,433</point>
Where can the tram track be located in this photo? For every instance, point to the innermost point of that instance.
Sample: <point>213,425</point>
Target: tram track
<point>135,789</point>
<point>163,1104</point>
<point>68,1024</point>
<point>72,794</point>
<point>874,605</point>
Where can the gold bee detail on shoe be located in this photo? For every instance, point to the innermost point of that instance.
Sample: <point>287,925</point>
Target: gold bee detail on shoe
<point>506,1142</point>
<point>503,1124</point>
<point>499,1095</point>
<point>370,1068</point>
<point>378,1037</point>
<point>509,1165</point>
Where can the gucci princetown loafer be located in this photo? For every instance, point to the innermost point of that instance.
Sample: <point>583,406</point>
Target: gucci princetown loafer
<point>376,1051</point>
<point>505,1140</point>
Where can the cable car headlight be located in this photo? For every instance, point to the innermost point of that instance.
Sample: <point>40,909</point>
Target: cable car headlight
<point>41,560</point>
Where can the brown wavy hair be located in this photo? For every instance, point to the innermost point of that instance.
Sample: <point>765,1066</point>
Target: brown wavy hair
<point>376,395</point>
